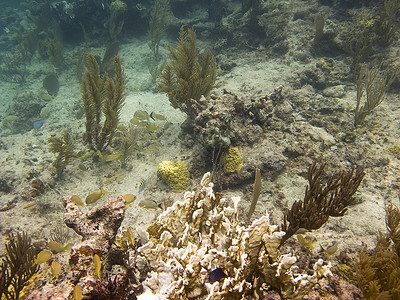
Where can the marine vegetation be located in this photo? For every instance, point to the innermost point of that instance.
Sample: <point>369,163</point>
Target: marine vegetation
<point>175,175</point>
<point>371,89</point>
<point>322,201</point>
<point>17,267</point>
<point>158,26</point>
<point>256,193</point>
<point>116,20</point>
<point>102,94</point>
<point>185,79</point>
<point>378,272</point>
<point>64,149</point>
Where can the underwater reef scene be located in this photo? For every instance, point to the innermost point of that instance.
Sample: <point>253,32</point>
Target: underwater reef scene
<point>216,149</point>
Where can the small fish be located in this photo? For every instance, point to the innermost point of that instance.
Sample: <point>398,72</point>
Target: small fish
<point>77,292</point>
<point>154,147</point>
<point>142,185</point>
<point>37,124</point>
<point>7,207</point>
<point>109,157</point>
<point>55,268</point>
<point>97,265</point>
<point>77,200</point>
<point>331,249</point>
<point>135,121</point>
<point>42,257</point>
<point>217,275</point>
<point>129,198</point>
<point>149,204</point>
<point>141,115</point>
<point>131,238</point>
<point>58,247</point>
<point>306,243</point>
<point>302,231</point>
<point>93,197</point>
<point>155,116</point>
<point>122,128</point>
<point>152,127</point>
<point>29,205</point>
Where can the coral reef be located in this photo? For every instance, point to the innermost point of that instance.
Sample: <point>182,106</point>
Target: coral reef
<point>231,159</point>
<point>228,120</point>
<point>98,227</point>
<point>199,235</point>
<point>175,175</point>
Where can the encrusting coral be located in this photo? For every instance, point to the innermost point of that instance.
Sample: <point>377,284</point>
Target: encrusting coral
<point>201,234</point>
<point>231,159</point>
<point>175,175</point>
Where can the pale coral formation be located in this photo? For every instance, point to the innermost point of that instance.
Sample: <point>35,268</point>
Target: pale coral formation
<point>201,234</point>
<point>175,175</point>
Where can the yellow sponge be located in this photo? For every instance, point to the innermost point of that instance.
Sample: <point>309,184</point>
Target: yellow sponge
<point>175,175</point>
<point>232,159</point>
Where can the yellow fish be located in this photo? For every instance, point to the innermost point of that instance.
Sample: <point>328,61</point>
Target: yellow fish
<point>97,265</point>
<point>77,200</point>
<point>109,157</point>
<point>160,117</point>
<point>150,204</point>
<point>141,115</point>
<point>135,121</point>
<point>58,247</point>
<point>129,198</point>
<point>93,197</point>
<point>331,249</point>
<point>77,292</point>
<point>305,243</point>
<point>55,268</point>
<point>152,127</point>
<point>29,205</point>
<point>130,236</point>
<point>42,257</point>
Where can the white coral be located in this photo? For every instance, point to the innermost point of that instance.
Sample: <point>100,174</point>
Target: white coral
<point>207,236</point>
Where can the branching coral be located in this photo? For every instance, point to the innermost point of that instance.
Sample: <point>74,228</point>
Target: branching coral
<point>102,94</point>
<point>372,85</point>
<point>185,80</point>
<point>17,267</point>
<point>322,201</point>
<point>200,234</point>
<point>64,149</point>
<point>378,273</point>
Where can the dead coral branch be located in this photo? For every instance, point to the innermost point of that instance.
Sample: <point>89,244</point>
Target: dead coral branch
<point>322,201</point>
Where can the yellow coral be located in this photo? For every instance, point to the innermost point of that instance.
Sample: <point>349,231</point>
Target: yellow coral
<point>175,175</point>
<point>395,151</point>
<point>232,159</point>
